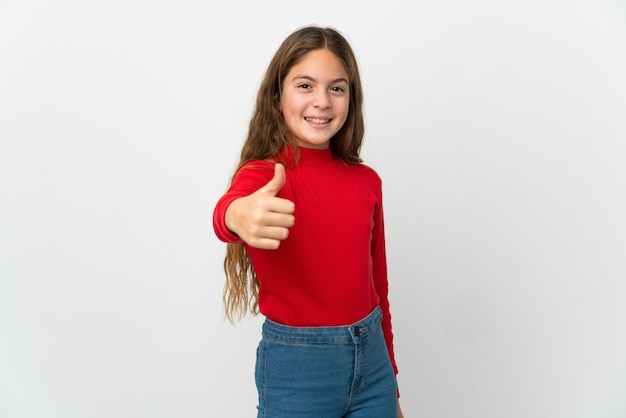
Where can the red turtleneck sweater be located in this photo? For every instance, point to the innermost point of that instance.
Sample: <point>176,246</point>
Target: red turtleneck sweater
<point>332,268</point>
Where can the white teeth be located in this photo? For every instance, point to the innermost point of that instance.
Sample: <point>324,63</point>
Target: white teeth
<point>313,120</point>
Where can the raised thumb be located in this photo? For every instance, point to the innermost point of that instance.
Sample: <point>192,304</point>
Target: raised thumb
<point>277,182</point>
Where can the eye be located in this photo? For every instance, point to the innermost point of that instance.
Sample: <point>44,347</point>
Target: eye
<point>304,86</point>
<point>337,89</point>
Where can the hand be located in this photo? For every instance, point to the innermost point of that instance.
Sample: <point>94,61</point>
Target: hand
<point>261,219</point>
<point>400,415</point>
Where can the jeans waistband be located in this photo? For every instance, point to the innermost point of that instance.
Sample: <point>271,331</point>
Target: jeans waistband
<point>336,334</point>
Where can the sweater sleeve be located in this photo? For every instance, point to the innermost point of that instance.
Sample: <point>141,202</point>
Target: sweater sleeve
<point>379,271</point>
<point>250,178</point>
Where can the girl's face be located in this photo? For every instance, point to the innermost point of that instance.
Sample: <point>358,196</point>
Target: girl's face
<point>316,98</point>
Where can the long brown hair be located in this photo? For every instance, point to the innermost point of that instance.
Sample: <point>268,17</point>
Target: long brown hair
<point>268,135</point>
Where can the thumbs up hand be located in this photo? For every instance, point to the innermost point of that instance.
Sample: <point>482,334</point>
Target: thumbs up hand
<point>261,219</point>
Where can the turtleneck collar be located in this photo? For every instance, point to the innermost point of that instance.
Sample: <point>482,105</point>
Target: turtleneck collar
<point>317,154</point>
<point>306,154</point>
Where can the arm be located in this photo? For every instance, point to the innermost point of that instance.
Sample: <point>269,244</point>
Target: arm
<point>379,272</point>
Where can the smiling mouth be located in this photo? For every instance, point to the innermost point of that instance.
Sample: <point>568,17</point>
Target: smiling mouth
<point>317,121</point>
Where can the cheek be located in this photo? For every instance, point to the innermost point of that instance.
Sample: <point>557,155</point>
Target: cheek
<point>290,106</point>
<point>345,109</point>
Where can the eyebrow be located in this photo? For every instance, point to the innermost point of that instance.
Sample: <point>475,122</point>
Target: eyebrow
<point>308,77</point>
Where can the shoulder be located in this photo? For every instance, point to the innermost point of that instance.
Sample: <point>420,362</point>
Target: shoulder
<point>254,171</point>
<point>256,165</point>
<point>363,177</point>
<point>367,172</point>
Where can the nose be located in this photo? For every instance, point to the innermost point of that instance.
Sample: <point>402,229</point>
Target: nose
<point>322,100</point>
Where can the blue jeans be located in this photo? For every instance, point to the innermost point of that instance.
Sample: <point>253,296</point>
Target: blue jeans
<point>325,372</point>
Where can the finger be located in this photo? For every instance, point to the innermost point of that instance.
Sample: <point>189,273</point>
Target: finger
<point>265,243</point>
<point>274,233</point>
<point>266,232</point>
<point>279,219</point>
<point>279,205</point>
<point>276,183</point>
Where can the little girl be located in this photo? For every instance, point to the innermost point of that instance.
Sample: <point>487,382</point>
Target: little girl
<point>303,219</point>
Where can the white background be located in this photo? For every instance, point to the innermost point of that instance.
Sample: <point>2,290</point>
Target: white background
<point>498,129</point>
